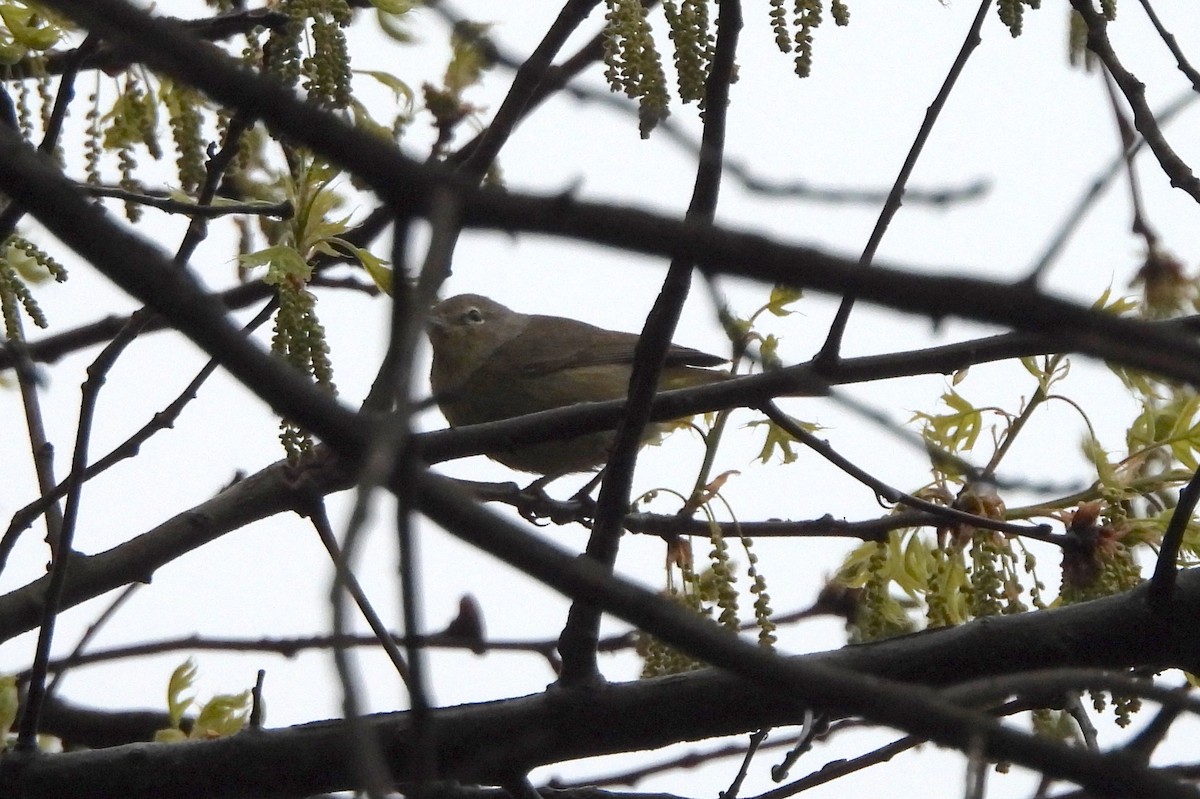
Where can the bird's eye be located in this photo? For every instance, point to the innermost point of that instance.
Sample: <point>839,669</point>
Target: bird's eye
<point>473,315</point>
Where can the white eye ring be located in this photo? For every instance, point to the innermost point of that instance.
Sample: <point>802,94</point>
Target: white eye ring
<point>473,315</point>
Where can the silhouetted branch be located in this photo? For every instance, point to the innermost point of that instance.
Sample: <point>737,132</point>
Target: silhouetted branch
<point>1176,168</point>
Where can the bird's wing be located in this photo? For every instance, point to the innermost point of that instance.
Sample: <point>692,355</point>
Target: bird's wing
<point>580,345</point>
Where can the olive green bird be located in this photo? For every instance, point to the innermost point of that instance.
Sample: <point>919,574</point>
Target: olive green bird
<point>492,363</point>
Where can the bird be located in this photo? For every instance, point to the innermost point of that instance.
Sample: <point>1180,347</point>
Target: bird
<point>492,363</point>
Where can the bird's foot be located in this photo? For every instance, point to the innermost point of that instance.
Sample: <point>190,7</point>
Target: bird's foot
<point>538,507</point>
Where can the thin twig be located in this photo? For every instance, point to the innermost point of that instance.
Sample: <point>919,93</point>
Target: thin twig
<point>840,768</point>
<point>1095,190</point>
<point>1162,582</point>
<point>53,347</point>
<point>1140,225</point>
<point>1175,168</point>
<point>1087,729</point>
<point>214,171</point>
<point>42,449</point>
<point>1039,532</point>
<point>524,87</point>
<point>830,353</point>
<point>577,644</point>
<point>256,708</point>
<point>370,767</point>
<point>290,647</point>
<point>281,210</point>
<point>61,667</point>
<point>129,448</point>
<point>1169,40</point>
<point>688,760</point>
<point>63,553</point>
<point>756,740</point>
<point>408,322</point>
<point>349,582</point>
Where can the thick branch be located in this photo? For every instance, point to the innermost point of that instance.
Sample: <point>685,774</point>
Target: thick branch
<point>274,490</point>
<point>1176,168</point>
<point>484,742</point>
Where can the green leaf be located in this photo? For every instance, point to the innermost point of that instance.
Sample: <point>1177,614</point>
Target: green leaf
<point>1116,307</point>
<point>467,61</point>
<point>366,123</point>
<point>957,430</point>
<point>10,701</point>
<point>29,28</point>
<point>779,441</point>
<point>281,261</point>
<point>182,680</point>
<point>1048,369</point>
<point>1105,470</point>
<point>376,268</point>
<point>401,89</point>
<point>781,297</point>
<point>395,6</point>
<point>768,351</point>
<point>11,53</point>
<point>223,715</point>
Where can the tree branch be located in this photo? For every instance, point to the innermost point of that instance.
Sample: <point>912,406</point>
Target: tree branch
<point>1176,169</point>
<point>558,725</point>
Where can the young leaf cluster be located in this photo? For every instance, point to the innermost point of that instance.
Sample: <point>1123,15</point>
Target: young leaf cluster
<point>28,30</point>
<point>219,717</point>
<point>468,63</point>
<point>965,572</point>
<point>314,230</point>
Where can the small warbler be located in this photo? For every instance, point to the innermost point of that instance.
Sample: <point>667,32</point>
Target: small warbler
<point>492,363</point>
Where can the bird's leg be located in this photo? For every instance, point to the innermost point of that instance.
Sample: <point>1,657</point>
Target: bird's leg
<point>538,507</point>
<point>582,499</point>
<point>538,487</point>
<point>582,495</point>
